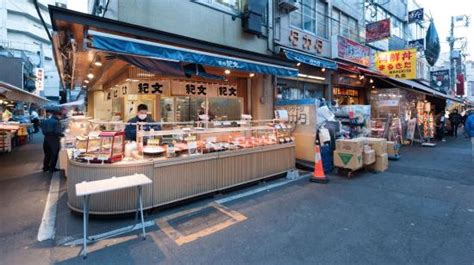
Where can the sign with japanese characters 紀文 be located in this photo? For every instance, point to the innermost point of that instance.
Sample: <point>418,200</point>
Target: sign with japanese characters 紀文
<point>151,87</point>
<point>378,30</point>
<point>192,88</point>
<point>397,64</point>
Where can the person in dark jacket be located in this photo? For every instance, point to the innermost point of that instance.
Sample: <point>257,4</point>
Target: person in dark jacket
<point>455,118</point>
<point>469,128</point>
<point>53,132</point>
<point>142,116</point>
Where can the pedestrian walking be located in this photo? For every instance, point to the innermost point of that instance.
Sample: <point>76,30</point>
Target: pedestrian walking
<point>34,117</point>
<point>455,118</point>
<point>53,132</point>
<point>469,128</point>
<point>441,121</point>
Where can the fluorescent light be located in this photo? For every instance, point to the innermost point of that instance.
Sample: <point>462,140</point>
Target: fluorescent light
<point>90,75</point>
<point>251,75</point>
<point>311,77</point>
<point>86,81</point>
<point>298,64</point>
<point>98,63</point>
<point>226,71</point>
<point>323,69</point>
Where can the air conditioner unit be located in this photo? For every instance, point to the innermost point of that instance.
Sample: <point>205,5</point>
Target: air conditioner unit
<point>288,5</point>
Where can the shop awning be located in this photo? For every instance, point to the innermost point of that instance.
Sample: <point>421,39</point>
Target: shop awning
<point>14,93</point>
<point>424,88</point>
<point>128,46</point>
<point>358,70</point>
<point>309,59</point>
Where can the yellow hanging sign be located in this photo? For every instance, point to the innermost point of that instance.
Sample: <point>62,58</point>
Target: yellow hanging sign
<point>397,64</point>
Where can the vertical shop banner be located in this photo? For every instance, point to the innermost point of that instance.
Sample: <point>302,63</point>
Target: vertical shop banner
<point>350,50</point>
<point>39,80</point>
<point>411,126</point>
<point>460,85</point>
<point>378,30</point>
<point>440,80</point>
<point>192,88</point>
<point>149,87</point>
<point>418,44</point>
<point>416,15</point>
<point>397,64</point>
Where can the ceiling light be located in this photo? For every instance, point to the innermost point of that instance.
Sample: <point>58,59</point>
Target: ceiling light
<point>1,101</point>
<point>371,80</point>
<point>298,64</point>
<point>84,86</point>
<point>251,75</point>
<point>226,71</point>
<point>323,69</point>
<point>98,63</point>
<point>373,86</point>
<point>90,75</point>
<point>361,77</point>
<point>86,81</point>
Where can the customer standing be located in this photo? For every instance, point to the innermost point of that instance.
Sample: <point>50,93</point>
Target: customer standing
<point>53,132</point>
<point>455,118</point>
<point>441,120</point>
<point>469,128</point>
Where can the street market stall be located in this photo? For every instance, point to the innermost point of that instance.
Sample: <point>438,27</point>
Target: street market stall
<point>203,98</point>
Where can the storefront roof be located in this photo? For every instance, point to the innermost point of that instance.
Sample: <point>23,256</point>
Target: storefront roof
<point>424,88</point>
<point>74,59</point>
<point>14,93</point>
<point>117,44</point>
<point>309,59</point>
<point>358,70</point>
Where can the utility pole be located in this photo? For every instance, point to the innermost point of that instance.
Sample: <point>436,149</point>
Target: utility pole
<point>451,59</point>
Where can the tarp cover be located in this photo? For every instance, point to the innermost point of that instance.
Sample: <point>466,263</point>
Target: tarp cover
<point>128,46</point>
<point>433,46</point>
<point>309,59</point>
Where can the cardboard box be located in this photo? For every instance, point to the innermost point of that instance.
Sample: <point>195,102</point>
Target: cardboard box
<point>348,160</point>
<point>369,157</point>
<point>367,148</point>
<point>355,146</point>
<point>378,144</point>
<point>392,148</point>
<point>381,163</point>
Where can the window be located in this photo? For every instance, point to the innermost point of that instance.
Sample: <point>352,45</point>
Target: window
<point>234,4</point>
<point>311,17</point>
<point>228,6</point>
<point>397,27</point>
<point>322,15</point>
<point>344,25</point>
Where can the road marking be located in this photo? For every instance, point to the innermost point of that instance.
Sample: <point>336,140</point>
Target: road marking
<point>109,234</point>
<point>47,227</point>
<point>181,239</point>
<point>258,190</point>
<point>176,235</point>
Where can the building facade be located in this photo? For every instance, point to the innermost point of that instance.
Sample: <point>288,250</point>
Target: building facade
<point>22,35</point>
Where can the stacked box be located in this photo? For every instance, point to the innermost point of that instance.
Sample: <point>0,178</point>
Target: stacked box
<point>349,153</point>
<point>378,144</point>
<point>381,163</point>
<point>369,157</point>
<point>393,149</point>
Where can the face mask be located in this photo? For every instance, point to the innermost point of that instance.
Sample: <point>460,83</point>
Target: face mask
<point>142,116</point>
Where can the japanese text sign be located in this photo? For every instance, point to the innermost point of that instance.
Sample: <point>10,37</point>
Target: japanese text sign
<point>397,64</point>
<point>415,15</point>
<point>377,30</point>
<point>350,50</point>
<point>190,88</point>
<point>440,80</point>
<point>151,87</point>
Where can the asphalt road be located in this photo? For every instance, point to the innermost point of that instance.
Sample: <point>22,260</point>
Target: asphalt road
<point>421,211</point>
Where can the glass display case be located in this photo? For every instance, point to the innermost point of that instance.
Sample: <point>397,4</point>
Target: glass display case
<point>214,137</point>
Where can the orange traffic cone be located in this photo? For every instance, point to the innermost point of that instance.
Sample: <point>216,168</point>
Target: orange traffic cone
<point>318,174</point>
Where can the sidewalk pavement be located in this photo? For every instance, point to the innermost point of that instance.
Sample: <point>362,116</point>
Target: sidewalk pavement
<point>420,211</point>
